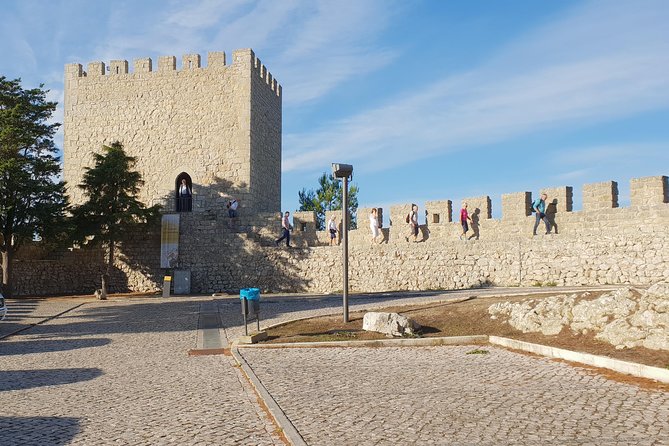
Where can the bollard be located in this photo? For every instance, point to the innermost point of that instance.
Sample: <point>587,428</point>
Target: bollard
<point>167,283</point>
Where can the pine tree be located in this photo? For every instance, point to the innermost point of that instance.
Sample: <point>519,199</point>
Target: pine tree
<point>32,201</point>
<point>112,211</point>
<point>328,197</point>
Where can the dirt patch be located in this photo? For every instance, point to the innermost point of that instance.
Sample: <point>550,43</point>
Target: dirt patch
<point>461,319</point>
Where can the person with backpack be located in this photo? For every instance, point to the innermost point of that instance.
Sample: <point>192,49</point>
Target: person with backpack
<point>539,208</point>
<point>412,219</point>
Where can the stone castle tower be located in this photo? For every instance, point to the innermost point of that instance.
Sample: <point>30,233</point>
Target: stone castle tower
<point>218,127</point>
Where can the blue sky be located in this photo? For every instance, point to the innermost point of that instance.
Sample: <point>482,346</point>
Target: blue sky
<point>427,99</point>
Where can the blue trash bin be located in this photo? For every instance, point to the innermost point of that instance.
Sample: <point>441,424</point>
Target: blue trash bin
<point>249,293</point>
<point>250,299</point>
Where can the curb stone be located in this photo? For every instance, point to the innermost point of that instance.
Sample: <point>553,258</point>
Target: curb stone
<point>617,365</point>
<point>410,342</point>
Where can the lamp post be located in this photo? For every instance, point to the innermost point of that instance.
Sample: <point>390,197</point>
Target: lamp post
<point>344,171</point>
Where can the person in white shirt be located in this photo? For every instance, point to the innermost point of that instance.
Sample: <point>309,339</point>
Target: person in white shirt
<point>185,197</point>
<point>232,208</point>
<point>332,228</point>
<point>374,225</point>
<point>285,225</point>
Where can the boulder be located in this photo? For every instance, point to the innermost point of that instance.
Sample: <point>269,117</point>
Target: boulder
<point>391,324</point>
<point>547,316</point>
<point>595,314</point>
<point>621,334</point>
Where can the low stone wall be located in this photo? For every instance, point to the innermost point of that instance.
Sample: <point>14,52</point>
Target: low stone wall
<point>640,259</point>
<point>79,271</point>
<point>552,260</point>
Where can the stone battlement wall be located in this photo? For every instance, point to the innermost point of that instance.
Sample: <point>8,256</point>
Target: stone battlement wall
<point>440,220</point>
<point>601,244</point>
<point>168,64</point>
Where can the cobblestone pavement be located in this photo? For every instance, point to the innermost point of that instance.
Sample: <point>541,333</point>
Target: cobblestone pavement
<point>117,372</point>
<point>444,396</point>
<point>24,313</point>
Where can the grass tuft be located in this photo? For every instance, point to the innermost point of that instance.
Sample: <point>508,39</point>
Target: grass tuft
<point>478,351</point>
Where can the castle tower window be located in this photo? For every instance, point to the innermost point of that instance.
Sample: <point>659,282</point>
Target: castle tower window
<point>184,193</point>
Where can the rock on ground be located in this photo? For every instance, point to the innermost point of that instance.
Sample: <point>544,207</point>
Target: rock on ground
<point>625,317</point>
<point>391,324</point>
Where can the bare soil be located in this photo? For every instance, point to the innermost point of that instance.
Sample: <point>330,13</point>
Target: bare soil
<point>469,317</point>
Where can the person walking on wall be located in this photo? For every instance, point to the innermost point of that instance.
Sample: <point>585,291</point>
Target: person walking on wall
<point>285,225</point>
<point>539,208</point>
<point>464,217</point>
<point>332,228</point>
<point>374,225</point>
<point>412,219</point>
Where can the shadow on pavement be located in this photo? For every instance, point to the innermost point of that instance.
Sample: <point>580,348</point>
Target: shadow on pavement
<point>48,345</point>
<point>38,430</point>
<point>28,379</point>
<point>167,315</point>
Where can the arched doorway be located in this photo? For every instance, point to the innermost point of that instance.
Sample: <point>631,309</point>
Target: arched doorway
<point>183,189</point>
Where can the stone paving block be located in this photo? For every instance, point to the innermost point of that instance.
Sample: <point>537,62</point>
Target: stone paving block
<point>116,372</point>
<point>442,394</point>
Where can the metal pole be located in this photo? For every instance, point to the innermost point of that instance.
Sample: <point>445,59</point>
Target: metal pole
<point>345,250</point>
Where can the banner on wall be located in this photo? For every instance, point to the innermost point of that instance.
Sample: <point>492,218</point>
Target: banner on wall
<point>169,241</point>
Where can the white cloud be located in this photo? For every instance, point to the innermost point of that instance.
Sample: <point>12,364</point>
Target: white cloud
<point>312,46</point>
<point>598,62</point>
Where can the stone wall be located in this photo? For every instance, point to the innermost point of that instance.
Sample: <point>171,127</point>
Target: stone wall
<point>220,124</point>
<point>621,245</point>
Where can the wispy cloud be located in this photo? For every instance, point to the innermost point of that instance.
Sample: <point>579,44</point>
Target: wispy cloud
<point>600,61</point>
<point>312,46</point>
<point>621,153</point>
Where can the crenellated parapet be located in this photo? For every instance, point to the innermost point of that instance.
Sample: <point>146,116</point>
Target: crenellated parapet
<point>649,191</point>
<point>168,65</point>
<point>439,212</point>
<point>598,196</point>
<point>440,221</point>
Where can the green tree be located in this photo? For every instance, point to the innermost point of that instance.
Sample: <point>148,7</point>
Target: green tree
<point>32,200</point>
<point>112,210</point>
<point>328,197</point>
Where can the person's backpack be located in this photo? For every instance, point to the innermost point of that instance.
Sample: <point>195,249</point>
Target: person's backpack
<point>408,219</point>
<point>535,203</point>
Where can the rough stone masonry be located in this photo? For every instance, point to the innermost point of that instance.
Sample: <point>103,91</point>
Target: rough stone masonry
<point>221,126</point>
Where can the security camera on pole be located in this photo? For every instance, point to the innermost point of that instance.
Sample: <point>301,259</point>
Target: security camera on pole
<point>344,171</point>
